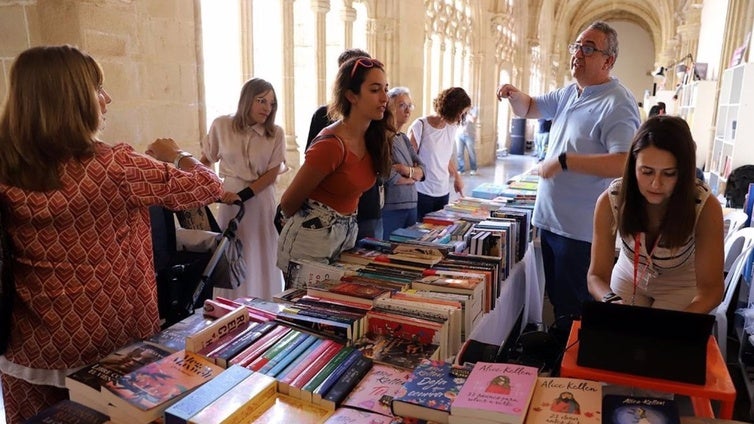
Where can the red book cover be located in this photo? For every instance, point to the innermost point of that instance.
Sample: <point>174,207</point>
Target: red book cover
<point>314,366</point>
<point>292,374</point>
<point>403,327</point>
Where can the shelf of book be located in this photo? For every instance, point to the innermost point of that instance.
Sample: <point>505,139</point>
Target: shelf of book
<point>698,109</point>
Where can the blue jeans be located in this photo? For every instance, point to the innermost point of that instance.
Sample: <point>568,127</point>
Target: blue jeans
<point>370,228</point>
<point>566,262</point>
<point>426,204</point>
<point>464,142</point>
<point>397,218</point>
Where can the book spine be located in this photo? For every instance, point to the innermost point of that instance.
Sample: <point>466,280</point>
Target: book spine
<point>308,388</point>
<point>293,355</point>
<point>211,349</point>
<point>331,379</point>
<point>273,350</point>
<point>320,326</point>
<point>353,375</point>
<point>296,385</point>
<point>246,356</point>
<point>286,374</point>
<point>223,356</point>
<point>221,326</point>
<point>284,383</point>
<point>285,351</point>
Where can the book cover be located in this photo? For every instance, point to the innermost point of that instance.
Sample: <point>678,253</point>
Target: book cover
<point>181,411</point>
<point>218,328</point>
<point>235,405</point>
<point>173,338</point>
<point>565,401</point>
<point>254,350</point>
<point>429,392</point>
<point>336,329</point>
<point>84,385</point>
<point>68,412</point>
<point>377,389</point>
<point>496,392</point>
<point>144,394</point>
<point>357,416</point>
<point>292,338</point>
<point>289,354</point>
<point>285,409</point>
<point>285,381</point>
<point>296,356</point>
<point>224,355</point>
<point>335,375</point>
<point>395,351</point>
<point>307,389</point>
<point>295,388</point>
<point>345,384</point>
<point>619,409</point>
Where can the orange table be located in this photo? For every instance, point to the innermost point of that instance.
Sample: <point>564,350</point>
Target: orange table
<point>719,384</point>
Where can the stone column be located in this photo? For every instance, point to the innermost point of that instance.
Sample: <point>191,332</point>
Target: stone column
<point>348,15</point>
<point>427,98</point>
<point>246,11</point>
<point>292,156</point>
<point>320,9</point>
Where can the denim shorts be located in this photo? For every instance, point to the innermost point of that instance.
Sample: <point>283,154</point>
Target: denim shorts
<point>315,232</point>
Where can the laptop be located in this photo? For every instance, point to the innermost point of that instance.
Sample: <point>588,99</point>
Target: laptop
<point>656,343</point>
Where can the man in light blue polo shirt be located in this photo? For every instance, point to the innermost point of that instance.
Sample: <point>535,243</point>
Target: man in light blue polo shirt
<point>594,120</point>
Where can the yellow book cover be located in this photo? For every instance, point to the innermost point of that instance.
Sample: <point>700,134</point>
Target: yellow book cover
<point>237,403</point>
<point>286,409</point>
<point>560,400</point>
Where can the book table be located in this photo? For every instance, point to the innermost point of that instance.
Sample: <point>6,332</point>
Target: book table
<point>719,385</point>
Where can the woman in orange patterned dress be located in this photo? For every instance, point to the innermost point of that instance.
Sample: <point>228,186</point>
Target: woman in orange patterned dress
<point>76,211</point>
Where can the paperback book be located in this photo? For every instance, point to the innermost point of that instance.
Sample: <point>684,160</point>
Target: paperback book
<point>619,409</point>
<point>68,412</point>
<point>376,390</point>
<point>559,400</point>
<point>144,394</point>
<point>429,392</point>
<point>495,392</point>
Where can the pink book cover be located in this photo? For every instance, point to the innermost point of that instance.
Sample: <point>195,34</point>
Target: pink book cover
<point>496,392</point>
<point>357,416</point>
<point>377,389</point>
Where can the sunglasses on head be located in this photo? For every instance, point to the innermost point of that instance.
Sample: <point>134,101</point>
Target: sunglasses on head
<point>365,62</point>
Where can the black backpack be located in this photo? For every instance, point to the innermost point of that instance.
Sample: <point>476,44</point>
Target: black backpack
<point>738,185</point>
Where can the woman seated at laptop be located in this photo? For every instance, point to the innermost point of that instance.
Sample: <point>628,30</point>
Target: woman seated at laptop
<point>670,225</point>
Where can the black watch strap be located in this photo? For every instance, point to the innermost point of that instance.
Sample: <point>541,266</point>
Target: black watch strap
<point>611,297</point>
<point>562,160</point>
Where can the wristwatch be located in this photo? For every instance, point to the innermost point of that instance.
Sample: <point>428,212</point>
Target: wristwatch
<point>611,297</point>
<point>562,160</point>
<point>180,156</point>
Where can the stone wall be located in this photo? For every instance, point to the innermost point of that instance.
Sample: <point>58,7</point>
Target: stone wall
<point>147,48</point>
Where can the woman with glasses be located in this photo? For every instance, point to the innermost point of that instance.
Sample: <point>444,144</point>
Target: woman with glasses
<point>400,188</point>
<point>250,150</point>
<point>433,138</point>
<point>345,160</point>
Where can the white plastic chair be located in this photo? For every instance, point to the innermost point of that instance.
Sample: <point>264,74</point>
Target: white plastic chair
<point>730,284</point>
<point>733,221</point>
<point>735,244</point>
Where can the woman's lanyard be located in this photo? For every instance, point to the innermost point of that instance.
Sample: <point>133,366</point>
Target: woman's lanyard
<point>637,249</point>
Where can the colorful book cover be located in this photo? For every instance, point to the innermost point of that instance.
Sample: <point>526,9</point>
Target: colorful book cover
<point>357,416</point>
<point>397,352</point>
<point>307,390</point>
<point>429,392</point>
<point>619,409</point>
<point>343,386</point>
<point>293,337</point>
<point>68,412</point>
<point>496,392</point>
<point>173,338</point>
<point>285,409</point>
<point>565,401</point>
<point>281,361</point>
<point>146,392</point>
<point>282,369</point>
<point>181,411</point>
<point>377,389</point>
<point>223,356</point>
<point>295,388</point>
<point>218,328</point>
<point>84,385</point>
<point>285,381</point>
<point>335,375</point>
<point>238,402</point>
<point>254,350</point>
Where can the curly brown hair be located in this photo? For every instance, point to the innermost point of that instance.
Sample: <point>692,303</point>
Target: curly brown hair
<point>451,103</point>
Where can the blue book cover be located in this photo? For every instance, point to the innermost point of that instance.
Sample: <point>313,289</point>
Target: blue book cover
<point>303,356</point>
<point>620,409</point>
<point>429,391</point>
<point>184,409</point>
<point>68,412</point>
<point>328,382</point>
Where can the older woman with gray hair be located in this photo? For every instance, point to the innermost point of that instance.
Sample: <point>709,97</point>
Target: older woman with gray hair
<point>400,192</point>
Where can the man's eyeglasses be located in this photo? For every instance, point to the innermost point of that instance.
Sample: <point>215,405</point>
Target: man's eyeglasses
<point>587,50</point>
<point>365,62</point>
<point>406,106</point>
